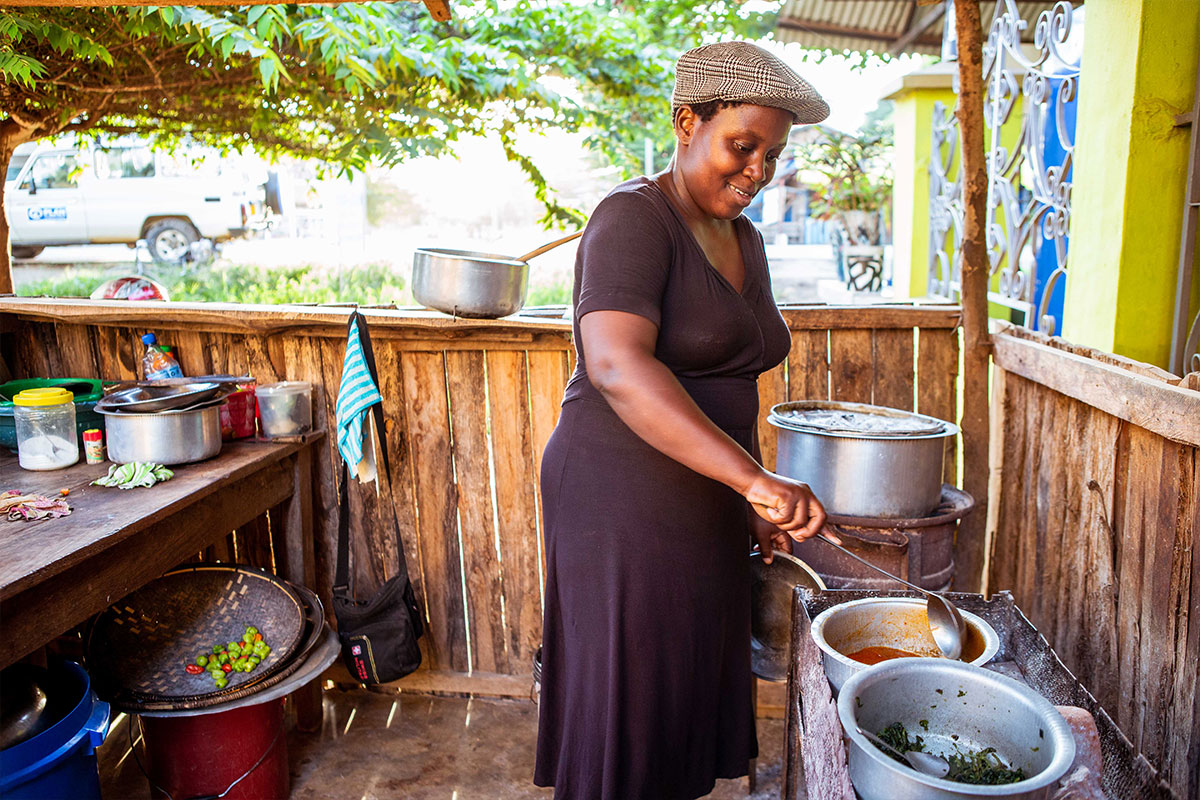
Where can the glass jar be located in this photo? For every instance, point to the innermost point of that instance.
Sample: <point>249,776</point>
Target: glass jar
<point>45,423</point>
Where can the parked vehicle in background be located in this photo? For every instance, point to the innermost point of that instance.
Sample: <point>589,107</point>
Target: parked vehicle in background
<point>126,191</point>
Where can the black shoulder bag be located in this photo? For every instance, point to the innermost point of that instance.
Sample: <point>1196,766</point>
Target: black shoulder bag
<point>379,635</point>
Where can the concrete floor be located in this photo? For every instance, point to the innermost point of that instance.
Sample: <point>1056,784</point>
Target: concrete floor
<point>376,746</point>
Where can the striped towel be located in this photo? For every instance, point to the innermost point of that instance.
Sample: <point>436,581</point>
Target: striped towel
<point>355,398</point>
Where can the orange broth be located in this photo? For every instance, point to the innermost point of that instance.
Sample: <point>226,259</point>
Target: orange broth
<point>873,655</point>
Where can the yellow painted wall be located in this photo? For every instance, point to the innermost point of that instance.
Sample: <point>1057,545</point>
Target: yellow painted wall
<point>913,117</point>
<point>1138,73</point>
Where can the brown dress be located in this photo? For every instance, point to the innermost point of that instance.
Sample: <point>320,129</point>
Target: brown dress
<point>646,683</point>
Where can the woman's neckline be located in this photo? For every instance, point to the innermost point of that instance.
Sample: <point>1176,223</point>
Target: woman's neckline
<point>737,231</point>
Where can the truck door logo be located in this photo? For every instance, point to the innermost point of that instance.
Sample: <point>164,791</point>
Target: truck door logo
<point>47,213</point>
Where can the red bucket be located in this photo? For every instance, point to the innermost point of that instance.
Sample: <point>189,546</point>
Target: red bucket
<point>201,755</point>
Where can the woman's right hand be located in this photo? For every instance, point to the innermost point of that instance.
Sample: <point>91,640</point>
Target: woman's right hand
<point>788,504</point>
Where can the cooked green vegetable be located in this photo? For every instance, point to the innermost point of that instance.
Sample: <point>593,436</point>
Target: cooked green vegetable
<point>980,767</point>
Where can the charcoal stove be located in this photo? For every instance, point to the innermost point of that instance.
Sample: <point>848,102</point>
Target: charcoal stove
<point>920,550</point>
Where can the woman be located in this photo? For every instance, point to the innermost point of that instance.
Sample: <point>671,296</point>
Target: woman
<point>651,483</point>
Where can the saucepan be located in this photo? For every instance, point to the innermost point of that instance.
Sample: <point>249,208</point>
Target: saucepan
<point>475,285</point>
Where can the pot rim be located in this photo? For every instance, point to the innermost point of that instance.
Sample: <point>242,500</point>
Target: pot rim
<point>436,254</point>
<point>776,418</point>
<point>991,639</point>
<point>1058,731</point>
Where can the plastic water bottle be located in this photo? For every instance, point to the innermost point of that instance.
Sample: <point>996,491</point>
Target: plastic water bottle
<point>157,363</point>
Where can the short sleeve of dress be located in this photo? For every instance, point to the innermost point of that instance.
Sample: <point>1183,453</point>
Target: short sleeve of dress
<point>624,258</point>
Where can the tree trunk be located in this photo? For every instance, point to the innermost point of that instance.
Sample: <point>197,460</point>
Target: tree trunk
<point>6,276</point>
<point>971,547</point>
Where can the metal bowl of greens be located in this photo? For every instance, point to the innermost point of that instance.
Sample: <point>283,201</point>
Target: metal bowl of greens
<point>1002,739</point>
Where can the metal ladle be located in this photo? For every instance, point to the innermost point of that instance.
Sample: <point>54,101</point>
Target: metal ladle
<point>925,763</point>
<point>948,627</point>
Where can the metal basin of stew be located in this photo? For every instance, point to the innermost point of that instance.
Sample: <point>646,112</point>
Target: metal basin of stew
<point>853,635</point>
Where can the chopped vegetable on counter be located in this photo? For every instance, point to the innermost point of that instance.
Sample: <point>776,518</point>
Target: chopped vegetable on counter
<point>134,474</point>
<point>29,507</point>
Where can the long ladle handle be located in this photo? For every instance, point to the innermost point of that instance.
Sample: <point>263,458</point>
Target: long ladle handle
<point>864,562</point>
<point>550,246</point>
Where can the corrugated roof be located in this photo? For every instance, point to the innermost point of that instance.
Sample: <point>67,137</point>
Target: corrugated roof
<point>877,25</point>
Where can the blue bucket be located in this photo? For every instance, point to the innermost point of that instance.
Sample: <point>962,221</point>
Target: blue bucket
<point>60,762</point>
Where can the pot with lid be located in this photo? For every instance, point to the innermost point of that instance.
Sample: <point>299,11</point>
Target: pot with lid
<point>863,460</point>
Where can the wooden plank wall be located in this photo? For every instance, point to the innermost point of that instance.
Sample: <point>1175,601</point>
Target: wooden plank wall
<point>467,417</point>
<point>1093,528</point>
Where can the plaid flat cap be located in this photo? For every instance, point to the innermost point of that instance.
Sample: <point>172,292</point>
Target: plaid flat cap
<point>743,72</point>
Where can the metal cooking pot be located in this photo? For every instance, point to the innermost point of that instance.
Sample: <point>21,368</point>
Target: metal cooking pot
<point>940,699</point>
<point>898,622</point>
<point>474,285</point>
<point>165,437</point>
<point>863,460</point>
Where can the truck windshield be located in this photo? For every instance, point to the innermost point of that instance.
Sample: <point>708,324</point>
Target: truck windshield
<point>125,162</point>
<point>54,171</point>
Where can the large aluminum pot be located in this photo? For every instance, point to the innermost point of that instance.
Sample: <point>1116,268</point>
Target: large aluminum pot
<point>469,284</point>
<point>883,463</point>
<point>940,699</point>
<point>165,437</point>
<point>897,622</point>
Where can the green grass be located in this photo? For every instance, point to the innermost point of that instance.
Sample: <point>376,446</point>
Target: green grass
<point>367,284</point>
<point>556,294</point>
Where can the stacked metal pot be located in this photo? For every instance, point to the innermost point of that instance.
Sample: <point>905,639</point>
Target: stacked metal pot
<point>878,472</point>
<point>170,424</point>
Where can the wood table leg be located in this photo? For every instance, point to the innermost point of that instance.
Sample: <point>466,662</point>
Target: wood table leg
<point>298,567</point>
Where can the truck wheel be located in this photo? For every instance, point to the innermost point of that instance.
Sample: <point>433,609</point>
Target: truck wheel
<point>170,239</point>
<point>26,250</point>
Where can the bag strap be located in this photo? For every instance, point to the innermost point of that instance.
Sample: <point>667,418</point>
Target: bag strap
<point>341,578</point>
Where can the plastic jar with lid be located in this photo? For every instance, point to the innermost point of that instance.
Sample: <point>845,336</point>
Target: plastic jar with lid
<point>45,423</point>
<point>284,409</point>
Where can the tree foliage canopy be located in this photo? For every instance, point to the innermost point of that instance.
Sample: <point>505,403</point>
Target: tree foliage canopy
<point>355,84</point>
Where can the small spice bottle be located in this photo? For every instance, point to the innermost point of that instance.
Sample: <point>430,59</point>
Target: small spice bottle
<point>93,446</point>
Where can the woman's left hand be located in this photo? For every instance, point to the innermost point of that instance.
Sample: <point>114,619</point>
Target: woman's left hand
<point>768,537</point>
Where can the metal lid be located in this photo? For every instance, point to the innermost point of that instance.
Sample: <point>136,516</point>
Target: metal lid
<point>771,610</point>
<point>857,420</point>
<point>149,399</point>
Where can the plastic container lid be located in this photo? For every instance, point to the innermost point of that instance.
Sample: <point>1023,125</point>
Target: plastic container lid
<point>149,338</point>
<point>48,396</point>
<point>284,387</point>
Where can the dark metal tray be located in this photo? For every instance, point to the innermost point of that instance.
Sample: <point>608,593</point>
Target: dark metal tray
<point>815,756</point>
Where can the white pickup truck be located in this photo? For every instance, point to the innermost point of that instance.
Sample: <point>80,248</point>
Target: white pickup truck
<point>60,195</point>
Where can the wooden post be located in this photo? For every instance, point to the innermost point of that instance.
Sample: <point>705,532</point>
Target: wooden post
<point>298,566</point>
<point>970,547</point>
